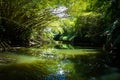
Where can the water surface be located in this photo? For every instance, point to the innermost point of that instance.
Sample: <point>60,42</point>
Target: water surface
<point>56,64</point>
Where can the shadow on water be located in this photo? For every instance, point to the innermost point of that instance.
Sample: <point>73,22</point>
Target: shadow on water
<point>22,67</point>
<point>95,67</point>
<point>21,72</point>
<point>57,64</point>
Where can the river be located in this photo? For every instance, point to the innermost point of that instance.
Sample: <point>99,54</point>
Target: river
<point>57,64</point>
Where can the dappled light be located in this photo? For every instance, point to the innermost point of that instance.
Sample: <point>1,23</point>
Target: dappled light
<point>60,12</point>
<point>59,40</point>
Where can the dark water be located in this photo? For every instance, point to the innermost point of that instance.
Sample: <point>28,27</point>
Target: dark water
<point>57,64</point>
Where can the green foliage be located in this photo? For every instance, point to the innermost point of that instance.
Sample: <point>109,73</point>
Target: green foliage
<point>113,11</point>
<point>20,18</point>
<point>23,21</point>
<point>87,25</point>
<point>113,36</point>
<point>98,5</point>
<point>105,23</point>
<point>68,31</point>
<point>112,18</point>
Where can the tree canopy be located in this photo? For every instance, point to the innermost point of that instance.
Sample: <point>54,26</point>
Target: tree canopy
<point>26,21</point>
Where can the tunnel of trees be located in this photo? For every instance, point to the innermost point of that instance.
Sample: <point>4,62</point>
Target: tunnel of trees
<point>59,39</point>
<point>88,23</point>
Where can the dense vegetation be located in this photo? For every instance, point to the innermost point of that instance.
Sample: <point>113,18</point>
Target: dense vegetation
<point>20,20</point>
<point>88,23</point>
<point>65,39</point>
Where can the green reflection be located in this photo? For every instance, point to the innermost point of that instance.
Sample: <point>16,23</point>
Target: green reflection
<point>38,64</point>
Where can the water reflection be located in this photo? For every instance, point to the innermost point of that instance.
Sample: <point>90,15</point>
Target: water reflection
<point>59,75</point>
<point>56,64</point>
